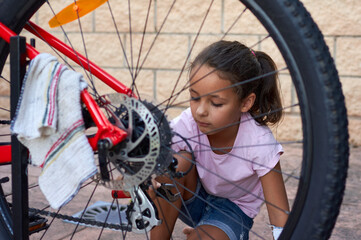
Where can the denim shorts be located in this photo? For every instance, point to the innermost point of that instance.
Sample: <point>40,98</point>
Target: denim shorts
<point>206,209</point>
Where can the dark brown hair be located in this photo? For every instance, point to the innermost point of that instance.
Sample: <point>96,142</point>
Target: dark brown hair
<point>249,72</point>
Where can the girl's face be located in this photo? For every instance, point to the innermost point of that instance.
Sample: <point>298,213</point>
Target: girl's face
<point>213,103</point>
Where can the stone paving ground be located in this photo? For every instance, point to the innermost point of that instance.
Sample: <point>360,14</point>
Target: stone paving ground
<point>348,225</point>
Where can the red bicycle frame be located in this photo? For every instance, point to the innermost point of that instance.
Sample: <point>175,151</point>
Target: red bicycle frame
<point>106,130</point>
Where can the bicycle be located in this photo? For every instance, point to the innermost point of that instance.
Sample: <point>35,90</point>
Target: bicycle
<point>308,62</point>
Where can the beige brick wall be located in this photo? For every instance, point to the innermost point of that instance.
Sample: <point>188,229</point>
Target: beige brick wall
<point>340,21</point>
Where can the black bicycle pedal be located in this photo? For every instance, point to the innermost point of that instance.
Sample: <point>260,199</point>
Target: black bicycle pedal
<point>37,223</point>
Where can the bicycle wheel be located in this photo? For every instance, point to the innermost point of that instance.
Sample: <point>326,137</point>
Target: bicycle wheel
<point>159,46</point>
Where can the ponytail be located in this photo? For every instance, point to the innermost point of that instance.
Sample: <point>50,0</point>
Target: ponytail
<point>267,108</point>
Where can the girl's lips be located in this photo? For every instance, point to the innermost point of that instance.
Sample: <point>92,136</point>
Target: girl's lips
<point>202,124</point>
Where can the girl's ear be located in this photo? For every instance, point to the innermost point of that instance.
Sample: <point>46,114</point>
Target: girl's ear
<point>248,102</point>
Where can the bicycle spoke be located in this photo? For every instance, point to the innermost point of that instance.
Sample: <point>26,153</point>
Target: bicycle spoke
<point>106,219</point>
<point>124,232</point>
<point>234,22</point>
<point>91,79</point>
<point>52,48</point>
<point>241,121</point>
<point>155,38</point>
<point>52,220</point>
<point>71,45</point>
<point>4,79</point>
<point>86,206</point>
<point>189,54</point>
<point>226,149</point>
<point>130,37</point>
<point>143,37</point>
<point>120,41</point>
<point>4,109</point>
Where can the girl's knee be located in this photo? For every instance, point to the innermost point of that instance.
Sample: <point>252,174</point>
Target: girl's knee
<point>206,232</point>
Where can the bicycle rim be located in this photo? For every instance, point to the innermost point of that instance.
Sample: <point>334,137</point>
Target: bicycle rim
<point>319,107</point>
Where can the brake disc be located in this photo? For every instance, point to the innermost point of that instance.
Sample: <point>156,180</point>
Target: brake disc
<point>146,149</point>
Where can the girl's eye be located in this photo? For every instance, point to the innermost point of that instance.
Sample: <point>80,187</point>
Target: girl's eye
<point>195,98</point>
<point>217,104</point>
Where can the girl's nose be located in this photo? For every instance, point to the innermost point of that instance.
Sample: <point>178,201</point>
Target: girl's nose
<point>202,109</point>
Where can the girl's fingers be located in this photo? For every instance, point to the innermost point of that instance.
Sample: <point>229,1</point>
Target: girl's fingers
<point>156,184</point>
<point>188,230</point>
<point>152,189</point>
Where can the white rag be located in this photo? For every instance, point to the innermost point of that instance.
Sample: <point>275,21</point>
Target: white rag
<point>49,123</point>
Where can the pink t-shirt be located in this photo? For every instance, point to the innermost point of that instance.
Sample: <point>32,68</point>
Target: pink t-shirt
<point>234,175</point>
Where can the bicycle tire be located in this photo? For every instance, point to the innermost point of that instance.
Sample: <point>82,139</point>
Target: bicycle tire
<point>324,118</point>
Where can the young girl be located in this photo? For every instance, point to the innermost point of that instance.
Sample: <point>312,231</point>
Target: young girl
<point>237,158</point>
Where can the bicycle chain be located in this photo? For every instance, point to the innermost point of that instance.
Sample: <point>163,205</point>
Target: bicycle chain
<point>80,220</point>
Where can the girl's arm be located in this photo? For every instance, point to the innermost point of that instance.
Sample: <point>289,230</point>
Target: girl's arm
<point>275,195</point>
<point>167,212</point>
